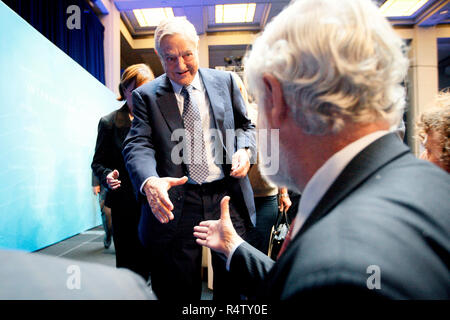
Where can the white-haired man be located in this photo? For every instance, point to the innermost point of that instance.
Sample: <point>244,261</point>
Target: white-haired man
<point>328,75</point>
<point>176,156</point>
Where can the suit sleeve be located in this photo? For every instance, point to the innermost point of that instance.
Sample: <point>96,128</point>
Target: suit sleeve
<point>250,267</point>
<point>101,162</point>
<point>245,129</point>
<point>138,151</point>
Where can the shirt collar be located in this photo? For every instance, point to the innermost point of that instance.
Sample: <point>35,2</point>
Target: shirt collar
<point>196,84</point>
<point>322,180</point>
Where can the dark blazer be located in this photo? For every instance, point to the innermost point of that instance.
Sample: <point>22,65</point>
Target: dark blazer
<point>112,130</point>
<point>386,209</point>
<point>148,147</point>
<point>37,276</point>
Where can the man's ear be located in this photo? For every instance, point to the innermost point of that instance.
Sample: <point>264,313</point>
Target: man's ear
<point>274,105</point>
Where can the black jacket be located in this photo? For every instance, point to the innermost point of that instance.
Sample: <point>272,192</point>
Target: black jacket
<point>386,210</point>
<point>112,130</point>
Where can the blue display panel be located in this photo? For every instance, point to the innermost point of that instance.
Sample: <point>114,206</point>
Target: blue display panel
<point>49,112</point>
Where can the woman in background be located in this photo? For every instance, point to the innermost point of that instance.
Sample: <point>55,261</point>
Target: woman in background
<point>109,166</point>
<point>434,132</point>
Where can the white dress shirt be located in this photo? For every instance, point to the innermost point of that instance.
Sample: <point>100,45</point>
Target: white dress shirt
<point>322,180</point>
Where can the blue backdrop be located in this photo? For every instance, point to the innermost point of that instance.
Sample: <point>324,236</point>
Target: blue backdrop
<point>49,110</point>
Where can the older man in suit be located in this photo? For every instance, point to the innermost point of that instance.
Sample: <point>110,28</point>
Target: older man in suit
<point>189,145</point>
<point>373,220</point>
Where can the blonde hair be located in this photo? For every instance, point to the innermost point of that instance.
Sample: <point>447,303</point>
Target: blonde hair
<point>437,119</point>
<point>335,60</point>
<point>140,73</point>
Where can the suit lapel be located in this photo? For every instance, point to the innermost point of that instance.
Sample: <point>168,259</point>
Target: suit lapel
<point>168,105</point>
<point>365,164</point>
<point>216,95</point>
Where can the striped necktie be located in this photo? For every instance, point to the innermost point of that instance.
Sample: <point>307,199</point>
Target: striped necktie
<point>197,161</point>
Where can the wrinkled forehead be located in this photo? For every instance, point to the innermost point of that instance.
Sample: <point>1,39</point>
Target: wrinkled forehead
<point>178,42</point>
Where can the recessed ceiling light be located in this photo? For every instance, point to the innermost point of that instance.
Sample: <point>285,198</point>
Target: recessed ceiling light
<point>401,8</point>
<point>152,17</point>
<point>235,13</point>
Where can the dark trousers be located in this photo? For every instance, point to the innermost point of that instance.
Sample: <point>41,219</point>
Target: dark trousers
<point>130,254</point>
<point>266,216</point>
<point>176,266</point>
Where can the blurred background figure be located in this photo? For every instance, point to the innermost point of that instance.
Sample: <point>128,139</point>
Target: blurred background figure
<point>269,199</point>
<point>434,132</point>
<point>108,165</point>
<point>99,190</point>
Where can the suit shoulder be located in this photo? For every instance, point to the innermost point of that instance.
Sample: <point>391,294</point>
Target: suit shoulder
<point>41,277</point>
<point>108,120</point>
<point>151,87</point>
<point>384,226</point>
<point>217,74</point>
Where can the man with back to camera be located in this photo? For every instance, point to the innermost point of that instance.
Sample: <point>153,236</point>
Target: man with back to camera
<point>373,220</point>
<point>177,195</point>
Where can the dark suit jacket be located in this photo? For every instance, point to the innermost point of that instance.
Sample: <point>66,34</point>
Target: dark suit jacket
<point>386,209</point>
<point>112,130</point>
<point>148,147</point>
<point>37,276</point>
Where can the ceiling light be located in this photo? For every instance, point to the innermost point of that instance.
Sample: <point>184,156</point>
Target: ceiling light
<point>401,8</point>
<point>235,13</point>
<point>152,17</point>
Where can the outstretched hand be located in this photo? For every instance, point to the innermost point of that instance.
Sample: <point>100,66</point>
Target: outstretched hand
<point>156,190</point>
<point>218,235</point>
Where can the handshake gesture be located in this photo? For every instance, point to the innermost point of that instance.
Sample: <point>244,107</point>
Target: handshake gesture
<point>218,235</point>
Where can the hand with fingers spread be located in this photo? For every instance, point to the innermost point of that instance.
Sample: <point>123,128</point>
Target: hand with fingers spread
<point>112,180</point>
<point>218,235</point>
<point>158,198</point>
<point>240,163</point>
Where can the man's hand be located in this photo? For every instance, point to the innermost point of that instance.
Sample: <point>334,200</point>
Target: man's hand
<point>218,235</point>
<point>158,198</point>
<point>240,163</point>
<point>112,180</point>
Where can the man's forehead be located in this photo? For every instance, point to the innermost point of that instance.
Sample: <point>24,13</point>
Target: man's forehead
<point>177,38</point>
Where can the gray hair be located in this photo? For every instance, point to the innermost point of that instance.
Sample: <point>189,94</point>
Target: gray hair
<point>334,60</point>
<point>175,25</point>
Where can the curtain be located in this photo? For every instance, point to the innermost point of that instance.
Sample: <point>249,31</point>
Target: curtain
<point>49,17</point>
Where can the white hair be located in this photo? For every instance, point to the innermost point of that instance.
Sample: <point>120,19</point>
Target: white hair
<point>175,25</point>
<point>334,60</point>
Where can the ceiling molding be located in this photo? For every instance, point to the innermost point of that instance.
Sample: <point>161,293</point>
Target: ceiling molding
<point>437,13</point>
<point>200,14</point>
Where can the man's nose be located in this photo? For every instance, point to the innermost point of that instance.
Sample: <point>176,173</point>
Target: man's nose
<point>180,64</point>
